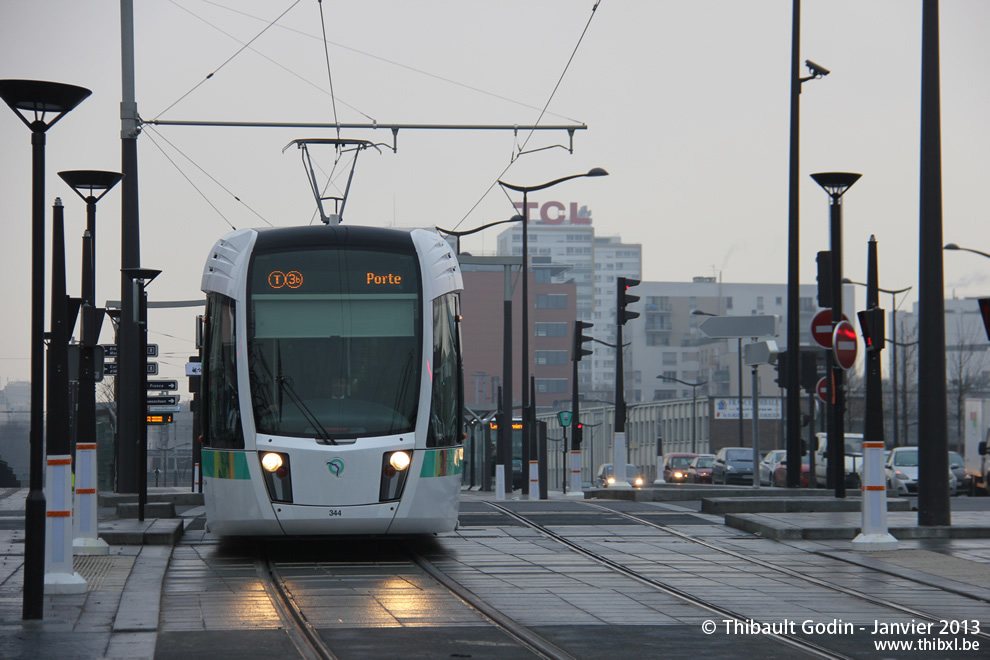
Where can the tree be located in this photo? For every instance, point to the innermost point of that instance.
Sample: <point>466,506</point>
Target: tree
<point>966,366</point>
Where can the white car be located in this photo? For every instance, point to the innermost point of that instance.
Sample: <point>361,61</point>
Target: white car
<point>902,472</point>
<point>768,464</point>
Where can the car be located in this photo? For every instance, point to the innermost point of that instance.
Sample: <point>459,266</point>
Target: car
<point>675,467</point>
<point>958,467</point>
<point>902,472</point>
<point>769,463</point>
<point>700,469</point>
<point>606,477</point>
<point>733,465</point>
<point>853,450</point>
<point>780,472</point>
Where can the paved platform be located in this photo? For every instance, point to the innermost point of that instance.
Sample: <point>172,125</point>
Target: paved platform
<point>724,505</point>
<point>120,614</point>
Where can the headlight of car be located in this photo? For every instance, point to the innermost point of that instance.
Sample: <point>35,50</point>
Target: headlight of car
<point>639,481</point>
<point>610,480</point>
<point>678,475</point>
<point>729,468</point>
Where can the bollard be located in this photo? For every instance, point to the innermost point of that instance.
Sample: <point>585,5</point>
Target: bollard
<point>500,482</point>
<point>874,535</point>
<point>659,479</point>
<point>60,578</point>
<point>534,480</point>
<point>84,522</point>
<point>195,486</point>
<point>576,474</point>
<point>619,460</point>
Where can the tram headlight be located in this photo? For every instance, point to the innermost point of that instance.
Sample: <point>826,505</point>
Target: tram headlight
<point>395,470</point>
<point>399,460</point>
<point>271,461</point>
<point>275,471</point>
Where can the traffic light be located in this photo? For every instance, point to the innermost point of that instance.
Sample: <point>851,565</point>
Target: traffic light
<point>578,434</point>
<point>623,298</point>
<point>985,314</point>
<point>579,351</point>
<point>872,324</point>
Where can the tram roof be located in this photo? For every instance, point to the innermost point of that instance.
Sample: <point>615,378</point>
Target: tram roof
<point>333,235</point>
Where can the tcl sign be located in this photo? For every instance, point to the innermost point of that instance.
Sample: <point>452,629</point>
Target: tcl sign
<point>556,213</point>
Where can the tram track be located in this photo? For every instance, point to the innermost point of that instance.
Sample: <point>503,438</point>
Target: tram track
<point>874,600</point>
<point>308,641</point>
<point>794,641</point>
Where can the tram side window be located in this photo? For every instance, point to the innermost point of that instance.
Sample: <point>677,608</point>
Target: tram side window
<point>446,403</point>
<point>221,415</point>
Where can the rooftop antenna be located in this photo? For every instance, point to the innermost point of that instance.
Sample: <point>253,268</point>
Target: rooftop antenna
<point>342,145</point>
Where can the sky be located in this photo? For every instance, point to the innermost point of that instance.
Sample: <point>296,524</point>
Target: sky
<point>686,105</point>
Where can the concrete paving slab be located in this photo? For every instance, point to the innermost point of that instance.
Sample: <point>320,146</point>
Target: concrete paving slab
<point>724,505</point>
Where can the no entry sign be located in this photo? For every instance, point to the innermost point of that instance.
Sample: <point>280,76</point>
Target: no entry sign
<point>844,344</point>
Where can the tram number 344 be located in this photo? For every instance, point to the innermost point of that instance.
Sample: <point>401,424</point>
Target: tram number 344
<point>336,512</point>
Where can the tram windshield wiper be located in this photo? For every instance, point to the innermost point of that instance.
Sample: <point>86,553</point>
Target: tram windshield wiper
<point>284,384</point>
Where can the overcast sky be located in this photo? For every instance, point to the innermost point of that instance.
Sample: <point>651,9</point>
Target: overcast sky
<point>686,105</point>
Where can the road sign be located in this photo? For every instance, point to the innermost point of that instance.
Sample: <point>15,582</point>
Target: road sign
<point>152,369</point>
<point>822,389</point>
<point>163,385</point>
<point>109,350</point>
<point>109,368</point>
<point>194,368</point>
<point>171,409</point>
<point>731,327</point>
<point>845,345</point>
<point>565,417</point>
<point>821,328</point>
<point>152,350</point>
<point>761,352</point>
<point>172,400</point>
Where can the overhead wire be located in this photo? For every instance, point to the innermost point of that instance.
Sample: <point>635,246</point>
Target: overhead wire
<point>190,181</point>
<point>208,175</point>
<point>394,63</point>
<point>270,59</point>
<point>326,52</point>
<point>543,111</point>
<point>228,60</point>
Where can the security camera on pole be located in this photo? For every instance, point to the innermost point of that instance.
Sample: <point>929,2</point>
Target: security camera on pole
<point>619,458</point>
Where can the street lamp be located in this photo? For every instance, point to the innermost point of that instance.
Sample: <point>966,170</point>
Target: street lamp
<point>953,246</point>
<point>36,99</point>
<point>694,412</point>
<point>836,184</point>
<point>893,301</point>
<point>525,190</point>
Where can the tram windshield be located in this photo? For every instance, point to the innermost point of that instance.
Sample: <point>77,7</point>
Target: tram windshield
<point>334,340</point>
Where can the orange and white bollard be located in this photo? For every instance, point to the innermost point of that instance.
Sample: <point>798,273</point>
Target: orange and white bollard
<point>534,480</point>
<point>60,578</point>
<point>84,521</point>
<point>874,535</point>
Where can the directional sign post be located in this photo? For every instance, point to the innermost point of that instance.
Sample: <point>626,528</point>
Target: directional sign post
<point>163,385</point>
<point>844,344</point>
<point>733,327</point>
<point>171,400</point>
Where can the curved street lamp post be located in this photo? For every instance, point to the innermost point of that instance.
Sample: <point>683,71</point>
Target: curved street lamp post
<point>529,415</point>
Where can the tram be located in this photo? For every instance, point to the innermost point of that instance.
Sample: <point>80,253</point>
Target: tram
<point>332,382</point>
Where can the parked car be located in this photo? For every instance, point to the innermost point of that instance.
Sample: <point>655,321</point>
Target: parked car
<point>902,472</point>
<point>769,463</point>
<point>606,476</point>
<point>780,472</point>
<point>964,481</point>
<point>733,465</point>
<point>700,470</point>
<point>675,467</point>
<point>853,459</point>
